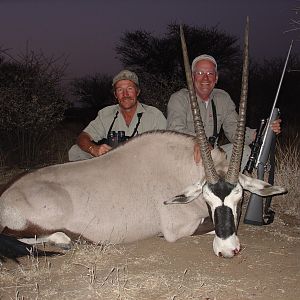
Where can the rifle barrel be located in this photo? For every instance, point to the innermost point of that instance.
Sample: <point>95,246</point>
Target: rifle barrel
<point>282,75</point>
<point>271,118</point>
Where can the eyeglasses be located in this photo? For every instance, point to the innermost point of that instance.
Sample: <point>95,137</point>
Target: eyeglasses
<point>202,73</point>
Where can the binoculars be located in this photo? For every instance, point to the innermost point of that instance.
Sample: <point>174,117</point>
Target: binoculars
<point>212,140</point>
<point>115,138</point>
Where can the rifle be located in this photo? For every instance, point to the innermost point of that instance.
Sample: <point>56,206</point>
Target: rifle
<point>263,150</point>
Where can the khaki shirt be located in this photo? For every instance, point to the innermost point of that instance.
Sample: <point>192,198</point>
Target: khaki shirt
<point>180,115</point>
<point>152,119</point>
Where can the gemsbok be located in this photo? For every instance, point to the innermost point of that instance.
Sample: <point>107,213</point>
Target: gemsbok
<point>150,185</point>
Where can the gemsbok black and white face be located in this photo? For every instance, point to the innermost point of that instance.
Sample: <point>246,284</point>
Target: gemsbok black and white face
<point>223,199</point>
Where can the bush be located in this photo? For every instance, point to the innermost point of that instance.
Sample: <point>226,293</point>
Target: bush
<point>32,104</point>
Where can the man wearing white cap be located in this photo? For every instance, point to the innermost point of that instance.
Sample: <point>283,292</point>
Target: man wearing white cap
<point>127,118</point>
<point>216,107</point>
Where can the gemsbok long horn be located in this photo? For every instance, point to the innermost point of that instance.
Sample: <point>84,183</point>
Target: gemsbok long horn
<point>209,168</point>
<point>237,152</point>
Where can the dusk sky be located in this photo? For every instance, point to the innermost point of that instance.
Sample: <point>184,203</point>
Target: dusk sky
<point>88,31</point>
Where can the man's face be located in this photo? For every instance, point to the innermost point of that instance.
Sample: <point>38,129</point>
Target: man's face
<point>126,93</point>
<point>205,78</point>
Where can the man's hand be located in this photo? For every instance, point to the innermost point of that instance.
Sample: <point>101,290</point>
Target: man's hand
<point>276,126</point>
<point>84,141</point>
<point>97,150</point>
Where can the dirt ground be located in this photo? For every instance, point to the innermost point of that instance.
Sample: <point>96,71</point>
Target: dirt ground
<point>268,267</point>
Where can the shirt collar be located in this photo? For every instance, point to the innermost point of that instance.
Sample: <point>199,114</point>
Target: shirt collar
<point>139,109</point>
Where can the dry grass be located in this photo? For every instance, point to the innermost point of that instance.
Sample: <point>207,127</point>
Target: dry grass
<point>288,175</point>
<point>155,269</point>
<point>57,147</point>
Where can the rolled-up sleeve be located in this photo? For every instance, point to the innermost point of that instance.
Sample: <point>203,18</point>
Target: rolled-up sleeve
<point>96,128</point>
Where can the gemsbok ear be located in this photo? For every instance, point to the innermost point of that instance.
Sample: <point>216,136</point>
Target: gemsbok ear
<point>189,194</point>
<point>260,187</point>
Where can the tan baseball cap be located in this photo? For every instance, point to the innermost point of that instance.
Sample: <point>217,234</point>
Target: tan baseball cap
<point>126,75</point>
<point>203,57</point>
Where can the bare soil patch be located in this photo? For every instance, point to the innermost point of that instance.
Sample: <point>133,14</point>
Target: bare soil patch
<point>268,267</point>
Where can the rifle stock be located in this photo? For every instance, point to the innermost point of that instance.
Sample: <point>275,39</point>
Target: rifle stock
<point>254,212</point>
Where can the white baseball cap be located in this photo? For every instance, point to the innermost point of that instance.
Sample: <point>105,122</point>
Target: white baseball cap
<point>204,57</point>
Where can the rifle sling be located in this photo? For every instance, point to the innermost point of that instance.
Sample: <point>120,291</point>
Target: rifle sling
<point>215,117</point>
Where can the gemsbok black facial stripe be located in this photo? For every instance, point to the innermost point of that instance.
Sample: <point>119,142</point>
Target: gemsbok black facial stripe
<point>221,189</point>
<point>224,222</point>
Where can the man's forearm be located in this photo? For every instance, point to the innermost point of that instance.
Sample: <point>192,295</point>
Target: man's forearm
<point>84,141</point>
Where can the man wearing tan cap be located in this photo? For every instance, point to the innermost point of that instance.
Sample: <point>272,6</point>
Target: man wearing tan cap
<point>119,122</point>
<point>216,107</point>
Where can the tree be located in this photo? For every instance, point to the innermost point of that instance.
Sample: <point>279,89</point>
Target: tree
<point>143,52</point>
<point>32,103</point>
<point>94,91</point>
<point>160,58</point>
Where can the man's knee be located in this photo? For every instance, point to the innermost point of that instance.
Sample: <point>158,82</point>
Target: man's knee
<point>75,154</point>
